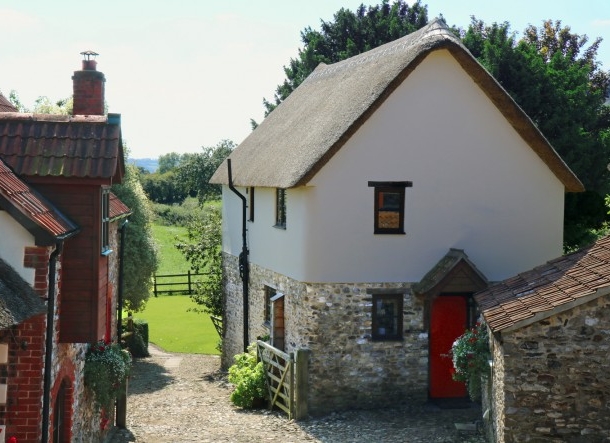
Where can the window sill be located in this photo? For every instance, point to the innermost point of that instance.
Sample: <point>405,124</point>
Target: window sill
<point>382,339</point>
<point>106,253</point>
<point>280,227</point>
<point>389,232</point>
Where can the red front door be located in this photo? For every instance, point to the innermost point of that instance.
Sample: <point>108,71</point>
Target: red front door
<point>447,322</point>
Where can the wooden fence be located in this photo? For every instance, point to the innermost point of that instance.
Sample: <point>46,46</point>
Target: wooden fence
<point>175,283</point>
<point>286,379</point>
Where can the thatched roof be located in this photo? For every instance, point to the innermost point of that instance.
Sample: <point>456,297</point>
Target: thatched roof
<point>297,139</point>
<point>18,300</point>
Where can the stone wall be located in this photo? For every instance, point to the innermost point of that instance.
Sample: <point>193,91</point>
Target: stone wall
<point>556,378</point>
<point>347,369</point>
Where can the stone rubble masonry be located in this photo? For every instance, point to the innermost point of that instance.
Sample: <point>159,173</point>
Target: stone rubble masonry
<point>551,378</point>
<point>347,369</point>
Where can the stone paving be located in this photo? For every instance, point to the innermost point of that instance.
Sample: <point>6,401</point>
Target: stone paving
<point>185,398</point>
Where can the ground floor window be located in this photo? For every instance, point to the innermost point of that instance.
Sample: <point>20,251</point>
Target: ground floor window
<point>387,316</point>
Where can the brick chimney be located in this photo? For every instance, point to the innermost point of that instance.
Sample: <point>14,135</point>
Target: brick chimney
<point>88,87</point>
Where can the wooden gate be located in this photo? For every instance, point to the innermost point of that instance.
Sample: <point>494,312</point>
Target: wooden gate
<point>286,379</point>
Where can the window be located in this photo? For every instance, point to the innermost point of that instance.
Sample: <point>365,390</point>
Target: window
<point>251,204</point>
<point>390,206</point>
<point>269,294</point>
<point>105,222</point>
<point>280,208</point>
<point>387,316</point>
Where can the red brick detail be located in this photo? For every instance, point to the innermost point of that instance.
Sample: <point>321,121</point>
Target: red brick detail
<point>37,257</point>
<point>66,377</point>
<point>24,377</point>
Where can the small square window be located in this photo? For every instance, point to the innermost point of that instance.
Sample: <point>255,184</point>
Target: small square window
<point>280,208</point>
<point>389,207</point>
<point>387,316</point>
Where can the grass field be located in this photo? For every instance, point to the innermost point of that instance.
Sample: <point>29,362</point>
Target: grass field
<point>171,326</point>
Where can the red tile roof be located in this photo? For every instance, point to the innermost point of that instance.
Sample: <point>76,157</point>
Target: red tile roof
<point>6,105</point>
<point>31,210</point>
<point>116,207</point>
<point>548,289</point>
<point>62,145</point>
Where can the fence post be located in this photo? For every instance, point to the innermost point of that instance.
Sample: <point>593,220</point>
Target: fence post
<point>155,284</point>
<point>301,383</point>
<point>189,280</point>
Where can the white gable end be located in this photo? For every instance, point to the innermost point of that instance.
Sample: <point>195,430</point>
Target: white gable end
<point>477,186</point>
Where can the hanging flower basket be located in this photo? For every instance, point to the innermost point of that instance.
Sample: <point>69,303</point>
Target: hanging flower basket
<point>107,366</point>
<point>470,355</point>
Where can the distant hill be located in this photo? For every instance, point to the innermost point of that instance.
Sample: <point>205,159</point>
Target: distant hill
<point>150,164</point>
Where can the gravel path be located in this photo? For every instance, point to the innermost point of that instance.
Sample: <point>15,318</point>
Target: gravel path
<point>185,398</point>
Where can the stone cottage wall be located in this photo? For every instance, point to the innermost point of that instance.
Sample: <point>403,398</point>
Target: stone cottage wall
<point>556,377</point>
<point>494,394</point>
<point>346,368</point>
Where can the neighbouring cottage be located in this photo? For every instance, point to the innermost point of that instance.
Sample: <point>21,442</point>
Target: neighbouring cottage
<point>60,240</point>
<point>382,194</point>
<point>550,331</point>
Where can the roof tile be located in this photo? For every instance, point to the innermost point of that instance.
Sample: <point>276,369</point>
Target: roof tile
<point>65,146</point>
<point>30,208</point>
<point>565,280</point>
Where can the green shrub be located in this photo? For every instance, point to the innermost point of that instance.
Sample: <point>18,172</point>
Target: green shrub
<point>248,376</point>
<point>137,343</point>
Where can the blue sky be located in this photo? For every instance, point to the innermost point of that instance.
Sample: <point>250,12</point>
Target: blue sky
<point>189,73</point>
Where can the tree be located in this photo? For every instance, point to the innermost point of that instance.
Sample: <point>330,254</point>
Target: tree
<point>140,255</point>
<point>195,170</point>
<point>350,33</point>
<point>169,161</point>
<point>44,105</point>
<point>164,188</point>
<point>554,76</point>
<point>204,253</point>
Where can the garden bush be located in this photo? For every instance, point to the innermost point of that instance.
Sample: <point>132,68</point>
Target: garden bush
<point>470,355</point>
<point>137,343</point>
<point>248,376</point>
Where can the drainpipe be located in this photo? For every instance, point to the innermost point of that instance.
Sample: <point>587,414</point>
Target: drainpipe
<point>244,267</point>
<point>48,363</point>
<point>119,326</point>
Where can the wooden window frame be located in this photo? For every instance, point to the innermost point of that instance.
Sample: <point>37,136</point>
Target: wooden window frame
<point>280,208</point>
<point>397,187</point>
<point>270,292</point>
<point>251,204</point>
<point>378,324</point>
<point>105,222</point>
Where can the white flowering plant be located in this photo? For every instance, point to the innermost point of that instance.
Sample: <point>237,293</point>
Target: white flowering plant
<point>470,355</point>
<point>107,366</point>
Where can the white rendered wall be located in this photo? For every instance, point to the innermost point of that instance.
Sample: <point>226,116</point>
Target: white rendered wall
<point>13,240</point>
<point>477,186</point>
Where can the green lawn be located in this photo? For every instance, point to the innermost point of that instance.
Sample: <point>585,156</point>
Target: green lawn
<point>175,329</point>
<point>170,325</point>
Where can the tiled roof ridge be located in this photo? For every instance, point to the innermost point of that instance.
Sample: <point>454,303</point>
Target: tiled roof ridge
<point>57,118</point>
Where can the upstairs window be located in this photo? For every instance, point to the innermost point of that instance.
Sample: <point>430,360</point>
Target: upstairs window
<point>387,316</point>
<point>251,204</point>
<point>390,206</point>
<point>105,222</point>
<point>280,208</point>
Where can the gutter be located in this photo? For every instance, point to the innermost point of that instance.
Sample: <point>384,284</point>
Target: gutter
<point>48,363</point>
<point>244,267</point>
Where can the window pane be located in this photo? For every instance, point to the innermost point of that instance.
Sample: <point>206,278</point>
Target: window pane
<point>387,316</point>
<point>389,210</point>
